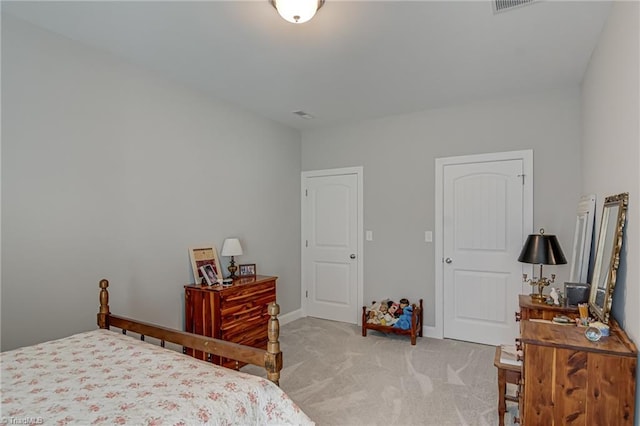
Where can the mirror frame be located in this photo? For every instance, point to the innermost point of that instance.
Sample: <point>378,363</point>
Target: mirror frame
<point>582,238</point>
<point>605,265</point>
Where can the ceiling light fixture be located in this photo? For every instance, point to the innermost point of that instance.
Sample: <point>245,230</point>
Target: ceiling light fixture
<point>297,11</point>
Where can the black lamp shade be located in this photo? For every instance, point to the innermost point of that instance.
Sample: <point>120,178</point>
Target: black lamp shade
<point>542,249</point>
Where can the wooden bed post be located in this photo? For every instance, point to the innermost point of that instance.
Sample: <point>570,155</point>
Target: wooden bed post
<point>103,314</point>
<point>273,357</point>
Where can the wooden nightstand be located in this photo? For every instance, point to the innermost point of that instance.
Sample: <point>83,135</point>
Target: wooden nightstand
<point>238,313</point>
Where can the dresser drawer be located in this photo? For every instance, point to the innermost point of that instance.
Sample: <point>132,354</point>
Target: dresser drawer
<point>232,330</point>
<point>260,294</point>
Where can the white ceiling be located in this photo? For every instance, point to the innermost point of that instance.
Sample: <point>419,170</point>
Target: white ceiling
<point>355,60</point>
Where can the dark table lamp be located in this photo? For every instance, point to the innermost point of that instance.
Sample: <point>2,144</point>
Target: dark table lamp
<point>543,250</point>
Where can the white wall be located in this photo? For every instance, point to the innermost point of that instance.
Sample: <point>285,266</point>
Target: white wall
<point>611,153</point>
<point>398,155</point>
<point>111,171</point>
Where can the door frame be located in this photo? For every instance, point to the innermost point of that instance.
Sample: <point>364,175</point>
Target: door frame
<point>527,211</point>
<point>359,172</point>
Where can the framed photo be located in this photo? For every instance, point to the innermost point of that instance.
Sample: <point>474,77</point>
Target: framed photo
<point>247,270</point>
<point>209,274</point>
<point>202,256</point>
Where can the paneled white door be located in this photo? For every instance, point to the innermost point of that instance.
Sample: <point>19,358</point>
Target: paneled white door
<point>331,249</point>
<point>482,238</point>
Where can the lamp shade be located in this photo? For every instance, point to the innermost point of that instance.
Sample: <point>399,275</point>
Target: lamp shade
<point>542,249</point>
<point>297,11</point>
<point>231,247</point>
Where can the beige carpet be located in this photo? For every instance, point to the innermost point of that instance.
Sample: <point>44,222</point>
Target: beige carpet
<point>338,377</point>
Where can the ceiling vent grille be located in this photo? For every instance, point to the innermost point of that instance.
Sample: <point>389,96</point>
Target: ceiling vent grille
<point>303,114</point>
<point>505,5</point>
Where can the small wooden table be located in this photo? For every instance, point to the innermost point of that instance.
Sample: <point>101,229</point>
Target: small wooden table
<point>507,373</point>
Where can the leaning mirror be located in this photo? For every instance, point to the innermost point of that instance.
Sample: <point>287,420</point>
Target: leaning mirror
<point>607,257</point>
<point>582,239</point>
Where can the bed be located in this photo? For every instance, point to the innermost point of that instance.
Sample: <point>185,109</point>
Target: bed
<point>106,377</point>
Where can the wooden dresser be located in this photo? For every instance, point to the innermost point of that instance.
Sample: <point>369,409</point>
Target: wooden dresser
<point>237,313</point>
<point>568,380</point>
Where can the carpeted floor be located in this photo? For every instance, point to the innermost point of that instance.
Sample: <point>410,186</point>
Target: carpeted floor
<point>338,377</point>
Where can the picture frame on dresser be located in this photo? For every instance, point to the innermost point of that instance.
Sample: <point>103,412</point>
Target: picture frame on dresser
<point>209,275</point>
<point>247,270</point>
<point>201,256</point>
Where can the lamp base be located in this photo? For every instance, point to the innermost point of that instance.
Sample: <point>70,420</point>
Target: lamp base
<point>538,298</point>
<point>232,268</point>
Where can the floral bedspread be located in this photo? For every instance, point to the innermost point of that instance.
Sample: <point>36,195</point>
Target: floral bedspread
<point>103,377</point>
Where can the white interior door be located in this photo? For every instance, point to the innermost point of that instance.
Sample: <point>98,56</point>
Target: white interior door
<point>482,237</point>
<point>331,261</point>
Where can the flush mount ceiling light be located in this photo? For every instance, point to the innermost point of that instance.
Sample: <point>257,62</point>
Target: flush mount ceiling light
<point>297,11</point>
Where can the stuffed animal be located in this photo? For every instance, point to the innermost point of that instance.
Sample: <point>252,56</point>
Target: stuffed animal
<point>388,319</point>
<point>384,309</point>
<point>403,304</point>
<point>372,317</point>
<point>404,322</point>
<point>373,313</point>
<point>393,310</point>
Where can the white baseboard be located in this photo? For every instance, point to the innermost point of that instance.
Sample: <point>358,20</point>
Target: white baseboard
<point>429,331</point>
<point>291,316</point>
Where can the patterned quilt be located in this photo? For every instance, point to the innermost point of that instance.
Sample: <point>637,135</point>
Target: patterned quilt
<point>102,377</point>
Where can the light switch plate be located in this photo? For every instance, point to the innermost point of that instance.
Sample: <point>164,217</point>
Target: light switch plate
<point>428,236</point>
<point>369,235</point>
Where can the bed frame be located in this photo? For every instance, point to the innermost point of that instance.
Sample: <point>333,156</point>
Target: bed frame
<point>269,359</point>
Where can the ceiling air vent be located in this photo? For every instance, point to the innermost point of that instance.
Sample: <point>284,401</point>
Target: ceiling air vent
<point>505,5</point>
<point>303,114</point>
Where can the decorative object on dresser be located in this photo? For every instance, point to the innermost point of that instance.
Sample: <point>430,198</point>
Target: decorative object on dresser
<point>202,256</point>
<point>231,247</point>
<point>238,313</point>
<point>541,249</point>
<point>247,270</point>
<point>607,256</point>
<point>209,275</point>
<point>413,318</point>
<point>576,293</point>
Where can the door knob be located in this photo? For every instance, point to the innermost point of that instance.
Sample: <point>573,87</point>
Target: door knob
<point>353,256</point>
<point>448,260</point>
